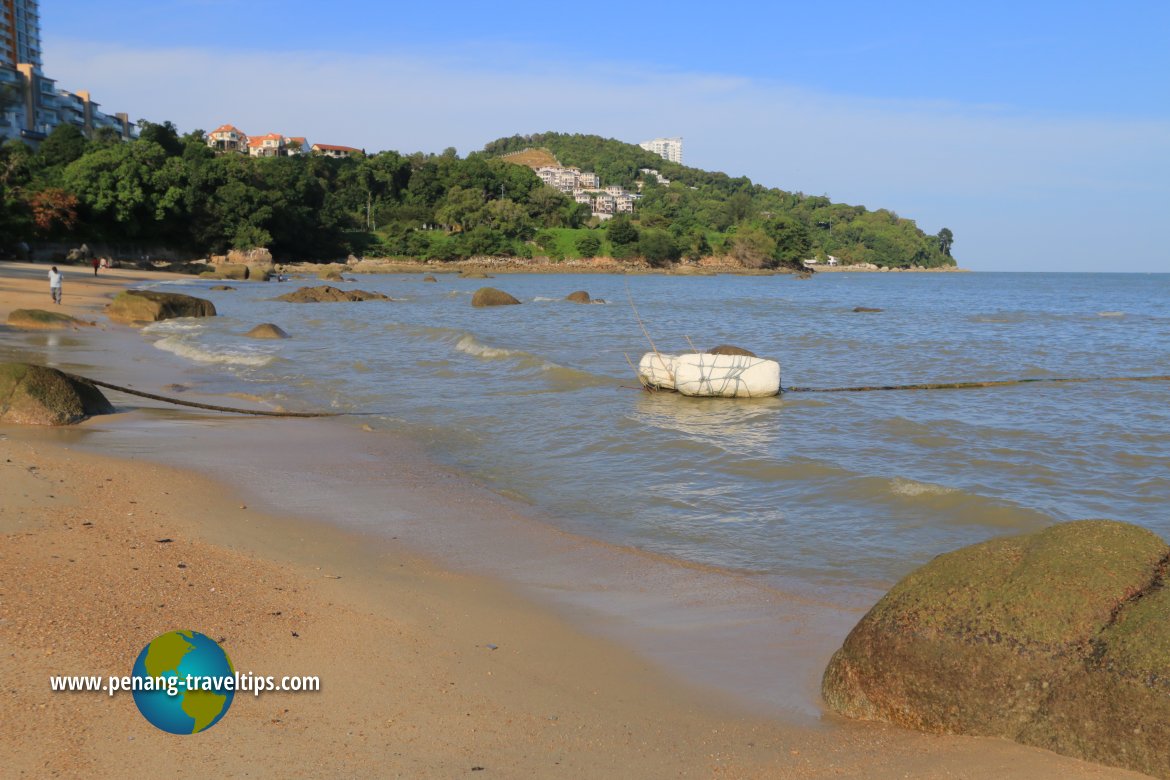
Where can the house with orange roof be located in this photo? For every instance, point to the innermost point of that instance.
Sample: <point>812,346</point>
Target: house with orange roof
<point>330,150</point>
<point>270,145</point>
<point>295,145</point>
<point>227,138</point>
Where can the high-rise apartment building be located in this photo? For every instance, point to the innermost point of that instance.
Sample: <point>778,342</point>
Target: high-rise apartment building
<point>666,148</point>
<point>20,33</point>
<point>31,105</point>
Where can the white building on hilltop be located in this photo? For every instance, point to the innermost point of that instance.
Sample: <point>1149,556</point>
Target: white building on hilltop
<point>666,148</point>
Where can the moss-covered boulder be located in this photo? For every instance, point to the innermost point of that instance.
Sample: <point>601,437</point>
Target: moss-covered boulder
<point>35,395</point>
<point>261,273</point>
<point>730,349</point>
<point>266,330</point>
<point>235,271</point>
<point>39,319</point>
<point>150,306</point>
<point>327,294</point>
<point>580,296</point>
<point>1059,639</point>
<point>490,296</point>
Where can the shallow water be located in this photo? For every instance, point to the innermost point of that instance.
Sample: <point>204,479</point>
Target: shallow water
<point>537,401</point>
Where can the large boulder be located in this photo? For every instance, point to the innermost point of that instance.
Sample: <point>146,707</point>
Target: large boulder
<point>327,294</point>
<point>35,395</point>
<point>330,275</point>
<point>1059,639</point>
<point>490,296</point>
<point>729,349</point>
<point>266,330</point>
<point>235,271</point>
<point>150,306</point>
<point>261,273</point>
<point>580,296</point>
<point>39,319</point>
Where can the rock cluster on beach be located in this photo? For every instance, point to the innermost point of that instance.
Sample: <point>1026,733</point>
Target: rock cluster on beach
<point>36,395</point>
<point>1058,639</point>
<point>133,306</point>
<point>327,294</point>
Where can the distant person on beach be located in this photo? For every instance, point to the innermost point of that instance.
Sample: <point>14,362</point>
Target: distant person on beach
<point>55,284</point>
<point>97,262</point>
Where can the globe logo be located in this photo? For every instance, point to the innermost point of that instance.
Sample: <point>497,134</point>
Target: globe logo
<point>178,682</point>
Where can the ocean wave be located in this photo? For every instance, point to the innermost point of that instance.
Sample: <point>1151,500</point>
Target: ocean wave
<point>470,345</point>
<point>1110,314</point>
<point>908,487</point>
<point>181,325</point>
<point>237,356</point>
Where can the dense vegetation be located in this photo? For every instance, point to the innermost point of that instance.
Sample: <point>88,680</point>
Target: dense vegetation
<point>170,189</point>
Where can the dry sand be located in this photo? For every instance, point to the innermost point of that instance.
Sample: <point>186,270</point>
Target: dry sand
<point>411,684</point>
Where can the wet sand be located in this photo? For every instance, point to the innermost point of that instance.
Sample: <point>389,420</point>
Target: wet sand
<point>411,684</point>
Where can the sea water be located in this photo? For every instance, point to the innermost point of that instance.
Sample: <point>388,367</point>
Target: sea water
<point>539,402</point>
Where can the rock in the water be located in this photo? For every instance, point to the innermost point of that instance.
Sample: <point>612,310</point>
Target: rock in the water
<point>580,296</point>
<point>39,319</point>
<point>475,275</point>
<point>327,294</point>
<point>266,330</point>
<point>429,279</point>
<point>35,395</point>
<point>1059,639</point>
<point>222,287</point>
<point>150,306</point>
<point>235,271</point>
<point>865,310</point>
<point>728,349</point>
<point>490,296</point>
<point>331,275</point>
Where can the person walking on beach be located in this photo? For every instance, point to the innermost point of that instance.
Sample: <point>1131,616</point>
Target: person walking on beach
<point>97,262</point>
<point>55,284</point>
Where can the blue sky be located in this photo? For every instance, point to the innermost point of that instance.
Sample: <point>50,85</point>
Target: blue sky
<point>1038,132</point>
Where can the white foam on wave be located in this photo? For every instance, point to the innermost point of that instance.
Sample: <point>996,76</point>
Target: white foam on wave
<point>235,356</point>
<point>908,487</point>
<point>181,325</point>
<point>543,299</point>
<point>1110,314</point>
<point>470,345</point>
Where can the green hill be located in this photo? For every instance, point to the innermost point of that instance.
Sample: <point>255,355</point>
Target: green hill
<point>759,225</point>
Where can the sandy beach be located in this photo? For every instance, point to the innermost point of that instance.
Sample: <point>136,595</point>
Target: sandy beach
<point>426,670</point>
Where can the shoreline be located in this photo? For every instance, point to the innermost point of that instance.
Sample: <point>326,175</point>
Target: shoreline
<point>634,718</point>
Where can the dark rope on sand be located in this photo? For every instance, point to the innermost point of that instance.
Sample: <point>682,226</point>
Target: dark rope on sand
<point>212,407</point>
<point>966,385</point>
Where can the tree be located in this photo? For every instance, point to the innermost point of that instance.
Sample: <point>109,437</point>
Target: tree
<point>945,239</point>
<point>658,247</point>
<point>588,245</point>
<point>63,145</point>
<point>165,135</point>
<point>53,210</point>
<point>792,240</point>
<point>752,247</point>
<point>621,231</point>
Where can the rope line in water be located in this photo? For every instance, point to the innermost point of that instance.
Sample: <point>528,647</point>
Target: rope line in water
<point>967,385</point>
<point>212,407</point>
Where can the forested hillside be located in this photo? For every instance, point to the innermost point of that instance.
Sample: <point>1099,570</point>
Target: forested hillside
<point>170,189</point>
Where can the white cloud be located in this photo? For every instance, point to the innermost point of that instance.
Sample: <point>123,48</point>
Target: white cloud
<point>1019,192</point>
